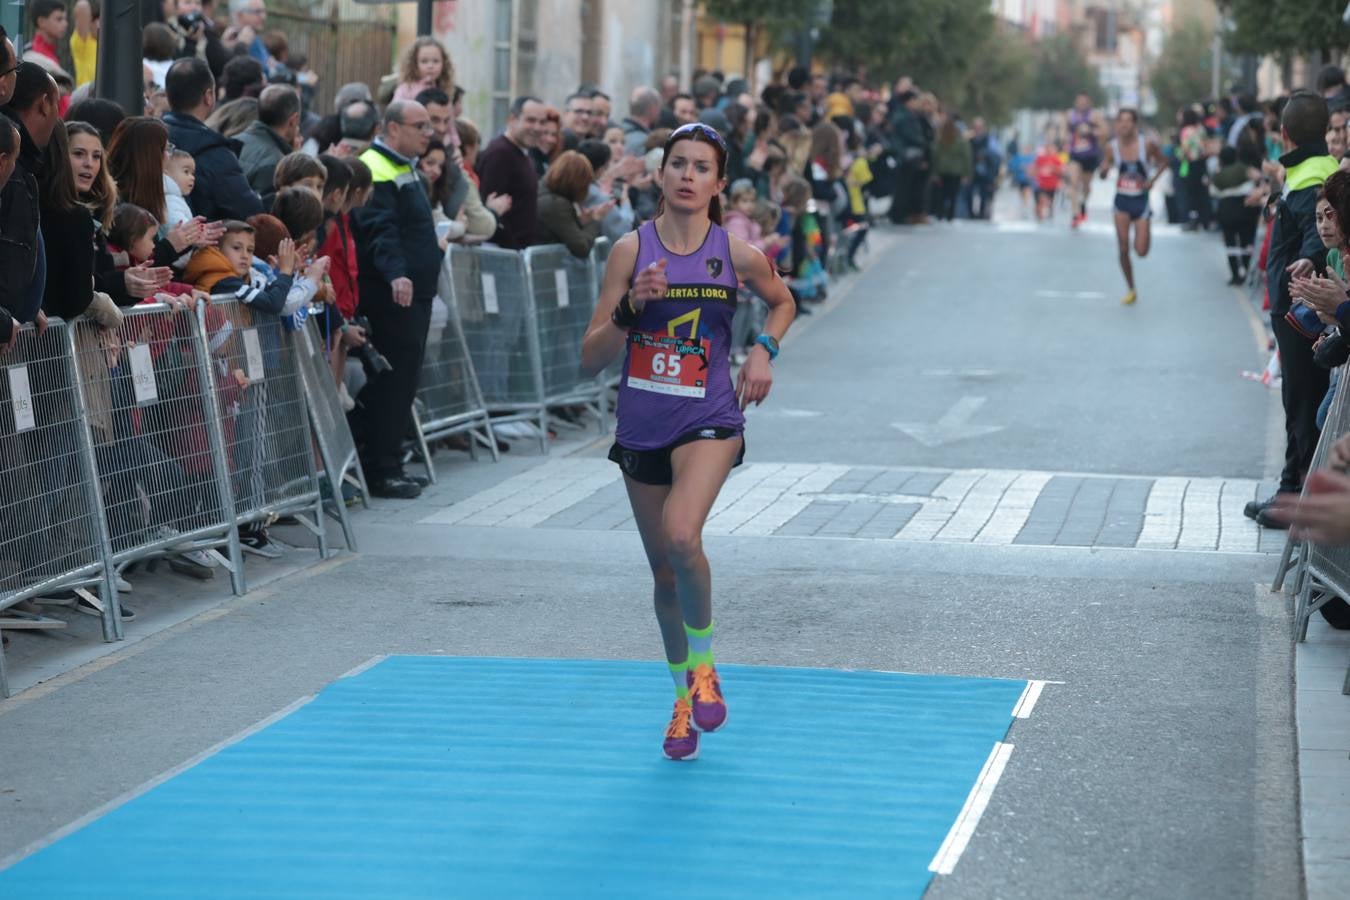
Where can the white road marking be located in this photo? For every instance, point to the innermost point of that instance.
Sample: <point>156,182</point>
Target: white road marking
<point>954,424</point>
<point>985,506</point>
<point>1162,516</point>
<point>1027,701</point>
<point>944,863</point>
<point>1013,509</point>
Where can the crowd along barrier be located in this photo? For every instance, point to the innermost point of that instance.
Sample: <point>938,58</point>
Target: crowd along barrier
<point>53,535</point>
<point>522,317</point>
<point>332,435</point>
<point>448,393</point>
<point>613,373</point>
<point>264,416</point>
<point>158,438</point>
<point>1319,573</point>
<point>563,288</point>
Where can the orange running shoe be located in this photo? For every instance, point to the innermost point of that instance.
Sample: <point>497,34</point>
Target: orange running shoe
<point>705,693</point>
<point>681,740</point>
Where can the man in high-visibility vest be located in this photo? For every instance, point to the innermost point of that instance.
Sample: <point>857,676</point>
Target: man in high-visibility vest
<point>399,260</point>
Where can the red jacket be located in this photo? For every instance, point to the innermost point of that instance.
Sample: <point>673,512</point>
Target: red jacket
<point>340,248</point>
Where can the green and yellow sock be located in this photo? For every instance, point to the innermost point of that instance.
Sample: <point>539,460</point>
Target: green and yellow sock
<point>677,674</point>
<point>700,645</point>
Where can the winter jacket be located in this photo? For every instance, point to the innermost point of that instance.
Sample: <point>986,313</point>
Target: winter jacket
<point>340,249</point>
<point>395,232</point>
<point>504,168</point>
<point>221,191</point>
<point>70,285</point>
<point>261,148</point>
<point>954,160</point>
<point>908,140</point>
<point>559,224</point>
<point>19,230</point>
<point>1294,231</point>
<point>210,271</point>
<point>176,208</point>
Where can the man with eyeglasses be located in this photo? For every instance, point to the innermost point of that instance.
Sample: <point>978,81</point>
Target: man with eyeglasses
<point>249,18</point>
<point>576,118</point>
<point>399,261</point>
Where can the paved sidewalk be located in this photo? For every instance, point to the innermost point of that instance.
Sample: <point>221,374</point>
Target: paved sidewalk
<point>902,504</point>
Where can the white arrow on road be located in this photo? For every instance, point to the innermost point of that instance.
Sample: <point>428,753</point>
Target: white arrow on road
<point>954,425</point>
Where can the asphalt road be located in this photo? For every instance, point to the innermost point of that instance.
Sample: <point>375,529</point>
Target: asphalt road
<point>1163,766</point>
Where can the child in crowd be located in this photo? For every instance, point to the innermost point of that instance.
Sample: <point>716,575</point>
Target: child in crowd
<point>180,177</point>
<point>425,65</point>
<point>858,177</point>
<point>739,218</point>
<point>132,240</point>
<point>228,269</point>
<point>84,41</point>
<point>337,245</point>
<point>1049,170</point>
<point>49,28</point>
<point>300,170</point>
<point>805,274</point>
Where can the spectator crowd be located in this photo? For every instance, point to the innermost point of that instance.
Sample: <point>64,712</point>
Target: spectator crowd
<point>230,179</point>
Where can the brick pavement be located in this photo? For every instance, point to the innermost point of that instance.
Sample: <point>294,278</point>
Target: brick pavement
<point>905,504</point>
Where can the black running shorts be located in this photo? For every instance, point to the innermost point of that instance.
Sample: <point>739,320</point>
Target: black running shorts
<point>653,466</point>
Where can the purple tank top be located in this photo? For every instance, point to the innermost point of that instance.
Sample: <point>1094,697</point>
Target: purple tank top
<point>677,369</point>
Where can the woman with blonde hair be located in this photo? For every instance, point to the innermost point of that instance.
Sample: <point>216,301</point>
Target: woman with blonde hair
<point>425,65</point>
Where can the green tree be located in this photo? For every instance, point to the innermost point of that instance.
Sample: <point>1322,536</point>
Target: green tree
<point>1182,74</point>
<point>779,16</point>
<point>933,40</point>
<point>998,85</point>
<point>1062,73</point>
<point>1285,28</point>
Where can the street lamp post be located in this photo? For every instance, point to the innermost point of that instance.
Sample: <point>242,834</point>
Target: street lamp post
<point>119,75</point>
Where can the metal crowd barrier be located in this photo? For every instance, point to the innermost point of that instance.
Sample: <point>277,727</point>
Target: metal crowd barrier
<point>448,390</point>
<point>53,535</point>
<point>613,373</point>
<point>264,419</point>
<point>563,288</point>
<point>1320,572</point>
<point>157,442</point>
<point>337,449</point>
<point>522,316</point>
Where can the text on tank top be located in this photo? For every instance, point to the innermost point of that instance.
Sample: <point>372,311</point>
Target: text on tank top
<point>1132,177</point>
<point>677,373</point>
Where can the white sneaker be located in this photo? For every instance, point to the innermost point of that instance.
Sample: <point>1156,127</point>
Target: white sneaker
<point>199,558</point>
<point>348,404</point>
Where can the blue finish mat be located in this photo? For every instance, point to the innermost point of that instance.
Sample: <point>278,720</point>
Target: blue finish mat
<point>452,777</point>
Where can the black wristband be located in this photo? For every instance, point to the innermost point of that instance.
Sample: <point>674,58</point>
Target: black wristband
<point>624,316</point>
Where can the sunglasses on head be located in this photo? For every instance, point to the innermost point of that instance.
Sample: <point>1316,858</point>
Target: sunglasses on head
<point>699,128</point>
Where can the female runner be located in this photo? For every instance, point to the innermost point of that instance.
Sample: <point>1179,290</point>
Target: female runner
<point>668,298</point>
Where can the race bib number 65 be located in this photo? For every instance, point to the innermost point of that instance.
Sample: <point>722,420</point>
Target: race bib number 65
<point>664,364</point>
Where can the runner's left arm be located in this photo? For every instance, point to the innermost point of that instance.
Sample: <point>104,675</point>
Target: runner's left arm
<point>761,277</point>
<point>1155,156</point>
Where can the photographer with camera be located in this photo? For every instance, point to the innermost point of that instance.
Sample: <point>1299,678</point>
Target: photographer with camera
<point>399,263</point>
<point>196,36</point>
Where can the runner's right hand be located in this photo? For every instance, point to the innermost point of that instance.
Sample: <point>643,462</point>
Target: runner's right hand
<point>650,284</point>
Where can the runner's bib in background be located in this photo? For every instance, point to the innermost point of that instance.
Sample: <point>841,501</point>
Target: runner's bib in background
<point>665,364</point>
